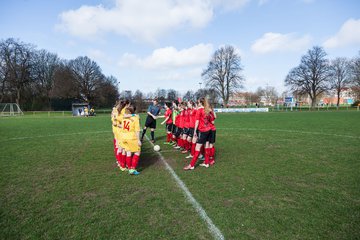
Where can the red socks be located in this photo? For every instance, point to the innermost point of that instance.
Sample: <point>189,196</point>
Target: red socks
<point>193,145</point>
<point>129,162</point>
<point>212,153</point>
<point>207,155</point>
<point>194,159</point>
<point>115,151</point>
<point>188,146</point>
<point>118,158</point>
<point>115,148</point>
<point>123,160</point>
<point>135,160</point>
<point>168,137</point>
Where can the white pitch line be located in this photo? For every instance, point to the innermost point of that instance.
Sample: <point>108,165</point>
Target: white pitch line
<point>215,232</point>
<point>291,131</point>
<point>54,135</point>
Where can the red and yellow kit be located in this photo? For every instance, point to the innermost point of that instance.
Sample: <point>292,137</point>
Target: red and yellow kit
<point>129,134</point>
<point>119,119</point>
<point>114,114</point>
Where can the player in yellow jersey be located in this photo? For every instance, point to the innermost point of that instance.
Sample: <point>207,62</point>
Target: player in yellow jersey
<point>130,140</point>
<point>121,155</point>
<point>114,114</point>
<point>86,111</point>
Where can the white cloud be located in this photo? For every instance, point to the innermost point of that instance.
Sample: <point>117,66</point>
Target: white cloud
<point>277,42</point>
<point>98,55</point>
<point>349,34</point>
<point>142,20</point>
<point>228,5</point>
<point>170,57</point>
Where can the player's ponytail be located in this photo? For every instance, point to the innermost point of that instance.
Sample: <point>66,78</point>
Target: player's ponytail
<point>168,105</point>
<point>204,102</point>
<point>191,102</point>
<point>117,103</point>
<point>123,104</point>
<point>131,109</point>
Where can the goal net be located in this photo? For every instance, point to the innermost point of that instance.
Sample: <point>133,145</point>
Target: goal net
<point>10,109</point>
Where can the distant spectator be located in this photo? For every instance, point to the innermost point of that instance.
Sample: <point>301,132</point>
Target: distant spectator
<point>92,112</point>
<point>86,111</point>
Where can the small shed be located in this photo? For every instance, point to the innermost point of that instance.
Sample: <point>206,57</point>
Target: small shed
<point>78,109</point>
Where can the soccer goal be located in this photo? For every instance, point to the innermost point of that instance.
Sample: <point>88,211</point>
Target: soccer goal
<point>10,109</point>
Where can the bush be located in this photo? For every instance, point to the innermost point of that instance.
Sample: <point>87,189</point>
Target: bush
<point>356,103</point>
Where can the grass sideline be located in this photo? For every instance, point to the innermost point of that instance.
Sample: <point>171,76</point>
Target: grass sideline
<point>286,175</point>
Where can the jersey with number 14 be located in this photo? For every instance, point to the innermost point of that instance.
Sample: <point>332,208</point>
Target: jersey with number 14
<point>130,126</point>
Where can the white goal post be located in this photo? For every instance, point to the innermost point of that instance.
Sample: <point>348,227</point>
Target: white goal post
<point>10,109</point>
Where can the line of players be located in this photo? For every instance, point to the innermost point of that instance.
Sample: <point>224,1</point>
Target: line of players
<point>191,129</point>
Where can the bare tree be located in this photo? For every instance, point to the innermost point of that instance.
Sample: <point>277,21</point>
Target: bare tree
<point>269,94</point>
<point>126,94</point>
<point>223,72</point>
<point>210,94</point>
<point>202,92</point>
<point>355,70</point>
<point>340,76</point>
<point>150,95</point>
<point>43,69</point>
<point>189,95</point>
<point>3,79</point>
<point>106,93</point>
<point>16,64</point>
<point>64,85</point>
<point>87,75</point>
<point>138,100</point>
<point>161,94</point>
<point>311,76</point>
<point>171,94</point>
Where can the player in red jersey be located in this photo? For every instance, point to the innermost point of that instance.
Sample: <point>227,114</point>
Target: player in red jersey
<point>202,125</point>
<point>190,125</point>
<point>186,122</point>
<point>192,137</point>
<point>174,114</point>
<point>212,137</point>
<point>180,127</point>
<point>169,122</point>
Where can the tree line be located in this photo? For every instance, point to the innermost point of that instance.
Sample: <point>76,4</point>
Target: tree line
<point>40,80</point>
<point>316,74</point>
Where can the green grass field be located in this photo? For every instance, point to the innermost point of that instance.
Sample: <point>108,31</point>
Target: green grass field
<point>288,175</point>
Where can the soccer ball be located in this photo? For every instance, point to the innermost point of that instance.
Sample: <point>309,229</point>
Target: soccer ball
<point>156,148</point>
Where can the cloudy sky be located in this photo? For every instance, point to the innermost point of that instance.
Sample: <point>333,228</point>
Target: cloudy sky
<point>167,43</point>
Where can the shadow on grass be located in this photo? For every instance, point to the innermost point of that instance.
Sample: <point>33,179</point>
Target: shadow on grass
<point>147,160</point>
<point>148,156</point>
